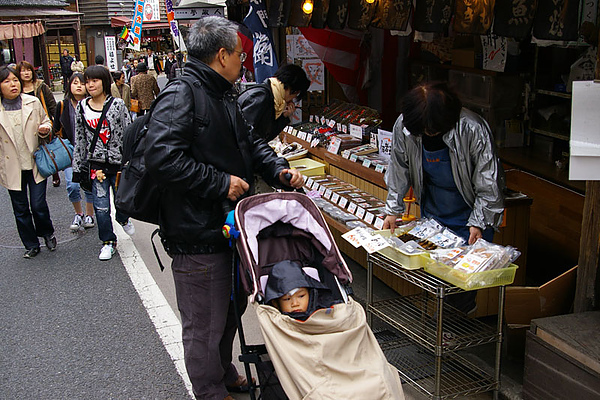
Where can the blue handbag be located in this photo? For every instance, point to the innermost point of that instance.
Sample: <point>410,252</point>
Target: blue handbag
<point>54,156</point>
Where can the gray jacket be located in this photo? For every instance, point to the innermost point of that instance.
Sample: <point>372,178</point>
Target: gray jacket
<point>118,119</point>
<point>476,168</point>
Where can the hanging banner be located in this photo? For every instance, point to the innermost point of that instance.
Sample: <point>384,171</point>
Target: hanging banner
<point>514,18</point>
<point>151,11</point>
<point>110,47</point>
<point>552,20</point>
<point>174,26</point>
<point>473,17</point>
<point>433,15</point>
<point>136,25</point>
<point>265,63</point>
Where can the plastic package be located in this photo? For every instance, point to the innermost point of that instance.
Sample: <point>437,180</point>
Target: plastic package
<point>356,224</point>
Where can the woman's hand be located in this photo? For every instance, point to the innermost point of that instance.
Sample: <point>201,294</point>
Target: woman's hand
<point>390,222</point>
<point>474,234</point>
<point>44,130</point>
<point>289,109</point>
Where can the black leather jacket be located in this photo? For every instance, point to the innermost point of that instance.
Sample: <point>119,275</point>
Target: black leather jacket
<point>194,167</point>
<point>258,107</point>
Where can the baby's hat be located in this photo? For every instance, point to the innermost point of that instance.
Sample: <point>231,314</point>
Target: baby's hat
<point>286,276</point>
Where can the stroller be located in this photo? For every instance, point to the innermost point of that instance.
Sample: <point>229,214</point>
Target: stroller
<point>332,354</point>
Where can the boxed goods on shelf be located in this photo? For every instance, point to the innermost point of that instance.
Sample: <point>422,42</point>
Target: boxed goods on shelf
<point>308,166</point>
<point>473,280</point>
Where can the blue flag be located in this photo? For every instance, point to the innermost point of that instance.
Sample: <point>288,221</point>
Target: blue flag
<point>265,63</point>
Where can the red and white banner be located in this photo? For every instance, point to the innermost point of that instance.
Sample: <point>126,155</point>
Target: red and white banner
<point>340,52</point>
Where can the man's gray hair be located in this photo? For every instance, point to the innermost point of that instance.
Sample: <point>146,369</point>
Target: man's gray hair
<point>208,35</point>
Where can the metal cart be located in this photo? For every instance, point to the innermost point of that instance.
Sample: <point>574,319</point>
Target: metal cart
<point>426,353</point>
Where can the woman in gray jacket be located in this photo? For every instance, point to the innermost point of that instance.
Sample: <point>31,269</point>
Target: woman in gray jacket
<point>447,154</point>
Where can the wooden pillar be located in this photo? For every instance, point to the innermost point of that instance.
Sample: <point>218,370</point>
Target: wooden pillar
<point>587,293</point>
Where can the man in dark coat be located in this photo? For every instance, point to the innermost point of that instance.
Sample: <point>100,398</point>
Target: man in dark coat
<point>204,164</point>
<point>65,68</point>
<point>153,63</point>
<point>169,62</point>
<point>268,106</point>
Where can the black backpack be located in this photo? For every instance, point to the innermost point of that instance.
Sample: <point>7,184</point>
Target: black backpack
<point>138,194</point>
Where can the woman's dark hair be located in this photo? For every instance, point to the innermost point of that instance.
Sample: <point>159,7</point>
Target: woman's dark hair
<point>430,108</point>
<point>76,75</point>
<point>293,78</point>
<point>25,64</point>
<point>99,72</point>
<point>5,71</point>
<point>117,75</point>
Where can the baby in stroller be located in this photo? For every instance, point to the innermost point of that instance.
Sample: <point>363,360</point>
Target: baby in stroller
<point>294,292</point>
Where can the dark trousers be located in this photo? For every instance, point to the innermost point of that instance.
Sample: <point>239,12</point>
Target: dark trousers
<point>31,214</point>
<point>203,288</point>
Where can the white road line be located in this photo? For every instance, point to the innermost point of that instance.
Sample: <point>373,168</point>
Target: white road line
<point>164,319</point>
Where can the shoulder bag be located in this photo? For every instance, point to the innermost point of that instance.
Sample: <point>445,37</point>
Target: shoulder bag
<point>54,156</point>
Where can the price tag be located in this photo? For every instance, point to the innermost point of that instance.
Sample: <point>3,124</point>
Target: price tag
<point>356,131</point>
<point>309,137</point>
<point>352,207</point>
<point>343,202</point>
<point>379,168</point>
<point>338,126</point>
<point>311,118</point>
<point>328,193</point>
<point>345,128</point>
<point>353,157</point>
<point>314,142</point>
<point>322,190</point>
<point>369,218</point>
<point>366,163</point>
<point>310,183</point>
<point>379,223</point>
<point>331,123</point>
<point>346,154</point>
<point>302,135</point>
<point>316,186</point>
<point>335,198</point>
<point>295,132</point>
<point>322,120</point>
<point>360,212</point>
<point>334,145</point>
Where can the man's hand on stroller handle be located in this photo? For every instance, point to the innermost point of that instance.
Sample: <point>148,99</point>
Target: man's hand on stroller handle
<point>291,177</point>
<point>237,187</point>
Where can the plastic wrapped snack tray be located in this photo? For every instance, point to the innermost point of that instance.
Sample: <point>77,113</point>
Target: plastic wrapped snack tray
<point>471,281</point>
<point>408,262</point>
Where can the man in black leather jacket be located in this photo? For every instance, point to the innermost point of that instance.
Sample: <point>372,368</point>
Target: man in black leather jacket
<point>203,173</point>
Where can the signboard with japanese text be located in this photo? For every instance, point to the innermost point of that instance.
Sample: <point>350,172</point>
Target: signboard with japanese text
<point>265,61</point>
<point>110,46</point>
<point>494,49</point>
<point>136,25</point>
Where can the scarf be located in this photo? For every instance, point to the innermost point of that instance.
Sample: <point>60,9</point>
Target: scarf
<point>278,95</point>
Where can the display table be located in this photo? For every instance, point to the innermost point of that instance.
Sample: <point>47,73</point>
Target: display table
<point>514,231</point>
<point>437,330</point>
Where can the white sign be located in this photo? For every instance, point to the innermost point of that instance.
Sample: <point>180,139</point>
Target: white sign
<point>110,47</point>
<point>584,163</point>
<point>151,11</point>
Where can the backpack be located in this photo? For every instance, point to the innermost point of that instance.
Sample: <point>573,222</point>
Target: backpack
<point>138,194</point>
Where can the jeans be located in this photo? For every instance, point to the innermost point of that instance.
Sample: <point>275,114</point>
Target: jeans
<point>101,192</point>
<point>73,189</point>
<point>35,221</point>
<point>203,288</point>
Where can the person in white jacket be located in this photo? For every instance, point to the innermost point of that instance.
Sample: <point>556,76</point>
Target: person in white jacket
<point>77,65</point>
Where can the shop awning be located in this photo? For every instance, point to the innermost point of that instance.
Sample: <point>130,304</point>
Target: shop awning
<point>17,30</point>
<point>118,22</point>
<point>193,9</point>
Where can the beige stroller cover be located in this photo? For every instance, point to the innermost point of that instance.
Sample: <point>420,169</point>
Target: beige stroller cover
<point>332,355</point>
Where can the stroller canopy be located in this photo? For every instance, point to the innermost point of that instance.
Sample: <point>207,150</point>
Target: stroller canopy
<point>297,223</point>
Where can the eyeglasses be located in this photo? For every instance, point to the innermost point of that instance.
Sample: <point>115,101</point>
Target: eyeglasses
<point>243,55</point>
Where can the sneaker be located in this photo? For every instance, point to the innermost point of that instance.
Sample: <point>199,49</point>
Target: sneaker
<point>30,253</point>
<point>50,242</point>
<point>107,252</point>
<point>88,222</point>
<point>76,224</point>
<point>128,227</point>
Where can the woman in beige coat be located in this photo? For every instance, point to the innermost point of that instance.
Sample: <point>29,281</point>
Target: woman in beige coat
<point>22,122</point>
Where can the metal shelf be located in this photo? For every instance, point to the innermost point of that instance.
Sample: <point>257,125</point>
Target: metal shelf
<point>416,366</point>
<point>417,277</point>
<point>413,316</point>
<point>549,133</point>
<point>563,95</point>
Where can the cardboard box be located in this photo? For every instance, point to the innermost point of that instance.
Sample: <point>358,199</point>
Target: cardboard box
<point>463,57</point>
<point>308,167</point>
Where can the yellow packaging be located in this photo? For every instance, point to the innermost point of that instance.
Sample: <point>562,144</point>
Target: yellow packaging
<point>308,166</point>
